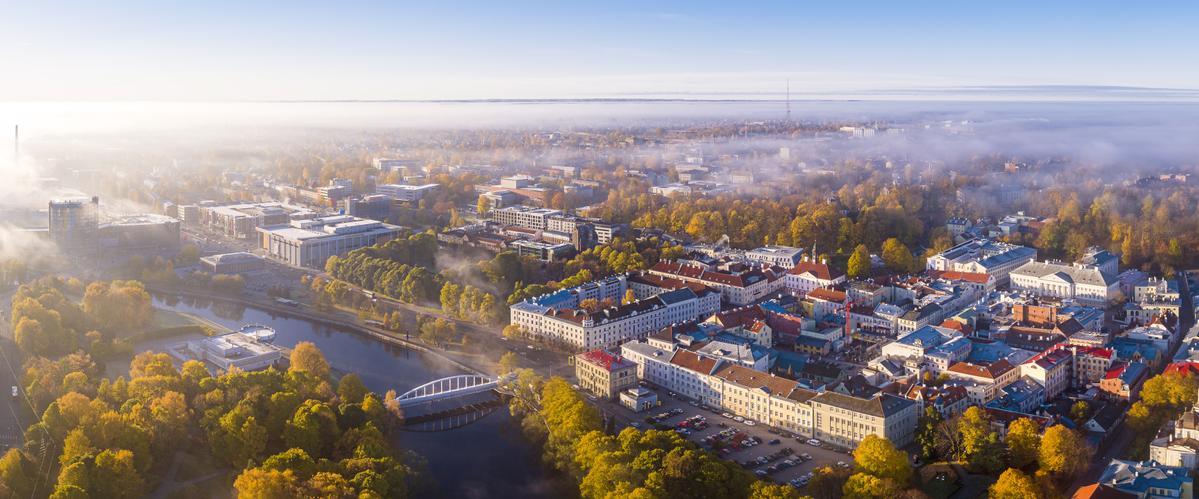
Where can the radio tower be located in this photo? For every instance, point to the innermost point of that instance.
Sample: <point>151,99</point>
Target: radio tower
<point>788,100</point>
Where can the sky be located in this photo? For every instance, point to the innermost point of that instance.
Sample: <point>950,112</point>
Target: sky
<point>216,50</point>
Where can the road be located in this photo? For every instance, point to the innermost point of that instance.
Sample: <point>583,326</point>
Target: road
<point>15,415</point>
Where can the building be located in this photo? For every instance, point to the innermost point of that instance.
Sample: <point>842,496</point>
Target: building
<point>1053,369</point>
<point>1085,284</point>
<point>374,206</point>
<point>241,221</point>
<point>146,230</point>
<point>983,256</point>
<point>524,216</point>
<point>741,287</point>
<point>1123,381</point>
<point>338,189</point>
<point>990,378</point>
<point>778,256</point>
<point>310,242</point>
<point>555,316</point>
<point>240,350</point>
<point>638,399</point>
<point>1148,479</point>
<point>402,165</point>
<point>809,274</point>
<point>934,348</point>
<point>406,193</point>
<point>604,374</point>
<point>232,263</point>
<point>74,223</point>
<point>546,252</point>
<point>845,420</point>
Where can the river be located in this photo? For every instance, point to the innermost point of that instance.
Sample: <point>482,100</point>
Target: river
<point>488,458</point>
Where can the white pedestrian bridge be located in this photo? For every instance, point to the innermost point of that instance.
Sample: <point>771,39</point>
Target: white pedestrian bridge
<point>450,387</point>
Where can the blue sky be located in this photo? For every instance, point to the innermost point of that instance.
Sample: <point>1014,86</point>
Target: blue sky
<point>231,50</point>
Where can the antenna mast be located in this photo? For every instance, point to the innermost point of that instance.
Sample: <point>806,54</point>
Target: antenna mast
<point>788,100</point>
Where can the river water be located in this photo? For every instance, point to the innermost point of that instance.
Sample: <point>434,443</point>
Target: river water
<point>488,458</point>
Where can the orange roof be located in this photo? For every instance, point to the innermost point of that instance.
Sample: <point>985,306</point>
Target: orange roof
<point>752,379</point>
<point>818,270</point>
<point>827,295</point>
<point>692,361</point>
<point>954,275</point>
<point>989,371</point>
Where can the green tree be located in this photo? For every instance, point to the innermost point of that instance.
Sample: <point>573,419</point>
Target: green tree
<point>926,432</point>
<point>17,473</point>
<point>867,486</point>
<point>859,262</point>
<point>350,389</point>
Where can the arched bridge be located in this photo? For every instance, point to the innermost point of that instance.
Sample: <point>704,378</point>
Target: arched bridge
<point>444,388</point>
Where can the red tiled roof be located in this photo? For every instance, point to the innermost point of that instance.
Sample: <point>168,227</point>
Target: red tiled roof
<point>743,316</point>
<point>693,362</point>
<point>818,270</point>
<point>827,295</point>
<point>991,371</point>
<point>700,273</point>
<point>604,360</point>
<point>1184,368</point>
<point>750,378</point>
<point>954,275</point>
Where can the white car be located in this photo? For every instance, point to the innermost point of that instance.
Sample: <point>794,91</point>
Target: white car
<point>15,392</point>
<point>739,419</point>
<point>813,442</point>
<point>749,422</point>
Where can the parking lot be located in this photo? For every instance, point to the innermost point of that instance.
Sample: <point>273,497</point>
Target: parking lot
<point>748,445</point>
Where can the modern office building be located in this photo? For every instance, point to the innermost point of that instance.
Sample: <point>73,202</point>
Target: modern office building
<point>406,193</point>
<point>242,220</point>
<point>308,243</point>
<point>232,263</point>
<point>74,223</point>
<point>524,216</point>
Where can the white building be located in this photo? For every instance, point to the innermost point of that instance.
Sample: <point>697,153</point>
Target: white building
<point>229,350</point>
<point>983,256</point>
<point>1085,284</point>
<point>779,256</point>
<point>407,193</point>
<point>555,317</point>
<point>309,243</point>
<point>736,288</point>
<point>524,216</point>
<point>936,348</point>
<point>809,274</point>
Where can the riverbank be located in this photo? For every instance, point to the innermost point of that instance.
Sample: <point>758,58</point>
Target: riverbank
<point>328,320</point>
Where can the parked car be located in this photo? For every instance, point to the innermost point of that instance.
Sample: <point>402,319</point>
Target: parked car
<point>775,442</point>
<point>842,464</point>
<point>813,442</point>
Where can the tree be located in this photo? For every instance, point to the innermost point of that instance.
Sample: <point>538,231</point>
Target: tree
<point>766,490</point>
<point>1063,453</point>
<point>897,256</point>
<point>508,362</point>
<point>1023,442</point>
<point>1014,484</point>
<point>268,484</point>
<point>17,473</point>
<point>877,456</point>
<point>859,262</point>
<point>1080,411</point>
<point>483,206</point>
<point>974,426</point>
<point>926,432</point>
<point>305,357</point>
<point>350,389</point>
<point>827,483</point>
<point>867,486</point>
<point>629,297</point>
<point>115,475</point>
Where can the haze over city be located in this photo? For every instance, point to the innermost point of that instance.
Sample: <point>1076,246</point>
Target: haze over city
<point>774,250</point>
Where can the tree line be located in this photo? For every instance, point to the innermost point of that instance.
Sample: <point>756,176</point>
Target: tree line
<point>293,433</point>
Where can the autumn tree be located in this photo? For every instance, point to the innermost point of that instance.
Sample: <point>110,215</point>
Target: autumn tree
<point>877,456</point>
<point>306,357</point>
<point>859,262</point>
<point>1014,484</point>
<point>1063,453</point>
<point>1023,442</point>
